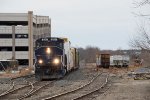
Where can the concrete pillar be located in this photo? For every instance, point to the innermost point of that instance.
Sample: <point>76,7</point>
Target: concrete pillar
<point>50,27</point>
<point>13,43</point>
<point>30,34</point>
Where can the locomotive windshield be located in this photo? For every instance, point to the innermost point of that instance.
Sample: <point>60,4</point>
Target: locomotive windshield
<point>53,42</point>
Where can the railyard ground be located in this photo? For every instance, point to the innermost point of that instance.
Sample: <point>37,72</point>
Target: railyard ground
<point>127,89</point>
<point>122,85</point>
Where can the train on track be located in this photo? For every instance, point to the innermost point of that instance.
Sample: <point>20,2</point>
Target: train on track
<point>54,57</point>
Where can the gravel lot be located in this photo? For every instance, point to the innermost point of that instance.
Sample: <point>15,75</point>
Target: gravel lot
<point>126,88</point>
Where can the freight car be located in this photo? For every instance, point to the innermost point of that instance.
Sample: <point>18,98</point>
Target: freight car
<point>103,60</point>
<point>54,57</point>
<point>119,60</point>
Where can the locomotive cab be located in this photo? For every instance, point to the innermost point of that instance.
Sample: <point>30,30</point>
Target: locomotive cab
<point>50,61</point>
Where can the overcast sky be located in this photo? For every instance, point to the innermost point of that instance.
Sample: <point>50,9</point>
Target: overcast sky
<point>107,24</point>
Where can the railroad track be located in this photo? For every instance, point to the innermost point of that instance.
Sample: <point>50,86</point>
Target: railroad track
<point>14,82</point>
<point>34,89</point>
<point>80,92</point>
<point>29,90</point>
<point>13,89</point>
<point>91,92</point>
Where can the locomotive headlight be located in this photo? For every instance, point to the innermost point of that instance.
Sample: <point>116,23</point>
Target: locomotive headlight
<point>56,61</point>
<point>40,61</point>
<point>48,50</point>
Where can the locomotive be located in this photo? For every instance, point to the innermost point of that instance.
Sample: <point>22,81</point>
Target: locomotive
<point>54,57</point>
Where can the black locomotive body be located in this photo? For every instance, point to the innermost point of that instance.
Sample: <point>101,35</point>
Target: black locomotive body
<point>52,58</point>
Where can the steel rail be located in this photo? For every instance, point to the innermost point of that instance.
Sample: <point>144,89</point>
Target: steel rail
<point>13,90</point>
<point>64,93</point>
<point>82,96</point>
<point>33,90</point>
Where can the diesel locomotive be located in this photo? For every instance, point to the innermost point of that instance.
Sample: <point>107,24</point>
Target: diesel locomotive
<point>54,57</point>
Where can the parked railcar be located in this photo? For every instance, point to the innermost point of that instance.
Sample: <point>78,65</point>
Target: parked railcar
<point>103,60</point>
<point>54,57</point>
<point>119,60</point>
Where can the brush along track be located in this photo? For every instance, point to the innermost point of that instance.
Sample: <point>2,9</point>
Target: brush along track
<point>25,91</point>
<point>9,80</point>
<point>73,94</point>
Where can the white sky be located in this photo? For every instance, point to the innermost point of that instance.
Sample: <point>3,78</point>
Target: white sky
<point>108,24</point>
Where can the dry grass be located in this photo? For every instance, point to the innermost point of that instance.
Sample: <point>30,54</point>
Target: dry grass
<point>22,72</point>
<point>115,70</point>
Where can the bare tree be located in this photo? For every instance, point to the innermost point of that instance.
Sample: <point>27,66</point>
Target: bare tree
<point>142,40</point>
<point>139,3</point>
<point>88,54</point>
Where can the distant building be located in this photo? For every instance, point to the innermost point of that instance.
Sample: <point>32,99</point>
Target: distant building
<point>18,32</point>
